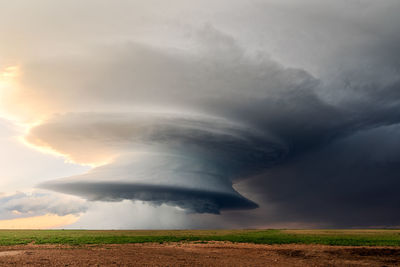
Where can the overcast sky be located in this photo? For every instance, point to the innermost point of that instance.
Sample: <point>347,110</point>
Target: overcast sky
<point>199,114</point>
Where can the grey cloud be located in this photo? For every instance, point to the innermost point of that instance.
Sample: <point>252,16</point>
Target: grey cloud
<point>220,73</point>
<point>187,161</point>
<point>122,133</point>
<point>40,203</point>
<point>192,200</point>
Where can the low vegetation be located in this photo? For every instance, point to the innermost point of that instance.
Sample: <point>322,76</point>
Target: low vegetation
<point>326,237</point>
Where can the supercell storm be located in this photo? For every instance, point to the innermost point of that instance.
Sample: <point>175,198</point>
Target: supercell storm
<point>264,112</point>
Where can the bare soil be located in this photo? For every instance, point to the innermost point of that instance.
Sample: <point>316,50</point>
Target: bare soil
<point>197,254</point>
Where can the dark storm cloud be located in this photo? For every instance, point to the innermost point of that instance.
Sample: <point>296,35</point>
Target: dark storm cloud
<point>287,122</point>
<point>322,148</point>
<point>192,200</point>
<point>353,181</point>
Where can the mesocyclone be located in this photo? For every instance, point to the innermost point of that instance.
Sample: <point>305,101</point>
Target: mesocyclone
<point>184,160</point>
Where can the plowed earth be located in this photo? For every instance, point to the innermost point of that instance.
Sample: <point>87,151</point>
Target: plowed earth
<point>197,254</point>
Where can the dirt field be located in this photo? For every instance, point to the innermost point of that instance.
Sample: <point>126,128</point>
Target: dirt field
<point>197,254</point>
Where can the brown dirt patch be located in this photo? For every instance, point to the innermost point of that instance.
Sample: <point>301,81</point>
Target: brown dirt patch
<point>197,254</point>
<point>10,253</point>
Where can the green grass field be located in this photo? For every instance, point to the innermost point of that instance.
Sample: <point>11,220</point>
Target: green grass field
<point>327,237</point>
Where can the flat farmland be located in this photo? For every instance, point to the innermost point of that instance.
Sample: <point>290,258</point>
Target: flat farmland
<point>322,237</point>
<point>200,247</point>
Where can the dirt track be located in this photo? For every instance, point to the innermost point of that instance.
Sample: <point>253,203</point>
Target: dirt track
<point>197,254</point>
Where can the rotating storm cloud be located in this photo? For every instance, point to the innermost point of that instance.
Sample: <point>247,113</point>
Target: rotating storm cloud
<point>262,121</point>
<point>185,161</point>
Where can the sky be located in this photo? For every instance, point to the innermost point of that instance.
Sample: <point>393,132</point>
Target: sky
<point>199,114</point>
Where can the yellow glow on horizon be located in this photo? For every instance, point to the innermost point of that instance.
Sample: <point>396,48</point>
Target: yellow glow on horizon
<point>7,78</point>
<point>39,222</point>
<point>17,105</point>
<point>8,82</point>
<point>10,72</point>
<point>12,108</point>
